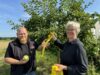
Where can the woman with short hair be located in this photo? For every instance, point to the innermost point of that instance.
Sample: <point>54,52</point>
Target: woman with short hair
<point>73,58</point>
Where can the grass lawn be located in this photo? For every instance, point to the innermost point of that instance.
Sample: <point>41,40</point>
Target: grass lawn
<point>4,68</point>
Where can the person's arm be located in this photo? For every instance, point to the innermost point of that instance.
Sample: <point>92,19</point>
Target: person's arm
<point>9,57</point>
<point>39,46</point>
<point>82,64</point>
<point>46,45</point>
<point>42,43</point>
<point>57,42</point>
<point>10,60</point>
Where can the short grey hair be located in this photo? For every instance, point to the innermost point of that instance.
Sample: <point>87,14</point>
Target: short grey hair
<point>74,24</point>
<point>21,27</point>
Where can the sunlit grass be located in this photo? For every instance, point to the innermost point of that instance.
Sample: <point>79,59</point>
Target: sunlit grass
<point>3,46</point>
<point>4,68</point>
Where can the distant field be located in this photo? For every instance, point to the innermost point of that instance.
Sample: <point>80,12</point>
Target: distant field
<point>3,45</point>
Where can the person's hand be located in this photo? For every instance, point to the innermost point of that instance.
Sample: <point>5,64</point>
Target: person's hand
<point>61,67</point>
<point>54,36</point>
<point>22,62</point>
<point>10,60</point>
<point>44,44</point>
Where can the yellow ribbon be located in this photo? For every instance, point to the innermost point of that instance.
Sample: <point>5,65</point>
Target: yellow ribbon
<point>46,42</point>
<point>54,68</point>
<point>55,72</point>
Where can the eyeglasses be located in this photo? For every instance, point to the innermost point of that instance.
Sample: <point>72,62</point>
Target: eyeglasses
<point>70,30</point>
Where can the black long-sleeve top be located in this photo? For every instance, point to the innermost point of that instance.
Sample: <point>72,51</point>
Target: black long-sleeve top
<point>73,55</point>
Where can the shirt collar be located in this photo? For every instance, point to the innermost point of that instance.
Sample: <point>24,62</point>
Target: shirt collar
<point>73,42</point>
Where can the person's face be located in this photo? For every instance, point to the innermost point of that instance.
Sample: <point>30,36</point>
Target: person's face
<point>22,35</point>
<point>71,32</point>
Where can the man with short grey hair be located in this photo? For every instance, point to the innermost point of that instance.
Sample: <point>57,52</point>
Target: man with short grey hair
<point>17,49</point>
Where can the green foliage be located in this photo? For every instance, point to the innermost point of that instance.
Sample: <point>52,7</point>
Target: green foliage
<point>44,63</point>
<point>92,69</point>
<point>52,15</point>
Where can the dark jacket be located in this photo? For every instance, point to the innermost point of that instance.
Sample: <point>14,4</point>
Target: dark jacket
<point>73,56</point>
<point>17,50</point>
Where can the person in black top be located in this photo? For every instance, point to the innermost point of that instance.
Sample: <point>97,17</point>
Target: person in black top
<point>21,46</point>
<point>73,58</point>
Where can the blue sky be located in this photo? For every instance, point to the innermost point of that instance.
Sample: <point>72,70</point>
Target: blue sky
<point>10,10</point>
<point>13,10</point>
